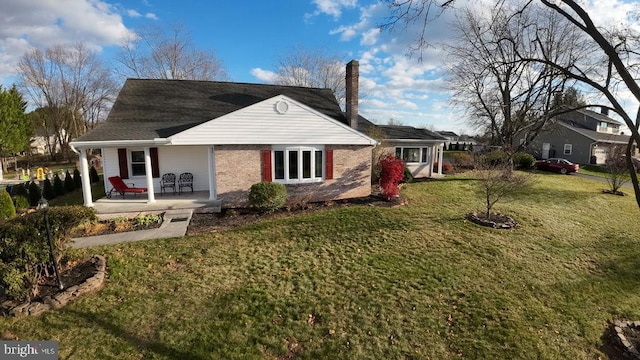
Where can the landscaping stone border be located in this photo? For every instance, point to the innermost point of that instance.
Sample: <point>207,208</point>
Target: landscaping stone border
<point>62,298</point>
<point>629,351</point>
<point>505,223</point>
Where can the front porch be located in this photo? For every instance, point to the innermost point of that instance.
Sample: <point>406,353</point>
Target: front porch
<point>187,200</point>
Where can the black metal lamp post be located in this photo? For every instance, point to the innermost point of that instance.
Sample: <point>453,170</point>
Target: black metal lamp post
<point>43,206</point>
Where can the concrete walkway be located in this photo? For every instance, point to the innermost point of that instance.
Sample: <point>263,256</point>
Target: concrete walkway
<point>174,225</point>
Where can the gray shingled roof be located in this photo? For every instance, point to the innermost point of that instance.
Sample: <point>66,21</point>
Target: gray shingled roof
<point>598,136</point>
<point>146,109</point>
<point>399,132</point>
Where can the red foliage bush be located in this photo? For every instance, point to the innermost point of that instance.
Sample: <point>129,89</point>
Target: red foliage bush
<point>391,175</point>
<point>446,167</point>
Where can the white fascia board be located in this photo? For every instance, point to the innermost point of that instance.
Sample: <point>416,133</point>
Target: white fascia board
<point>416,141</point>
<point>118,143</point>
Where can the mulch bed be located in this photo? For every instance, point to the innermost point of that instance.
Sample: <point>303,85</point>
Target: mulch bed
<point>202,223</point>
<point>111,226</point>
<point>71,273</point>
<point>495,220</point>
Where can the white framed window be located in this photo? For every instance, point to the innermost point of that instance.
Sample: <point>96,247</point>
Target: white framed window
<point>137,163</point>
<point>298,164</point>
<point>567,149</point>
<point>414,154</point>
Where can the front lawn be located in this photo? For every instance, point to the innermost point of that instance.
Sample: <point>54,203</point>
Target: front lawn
<point>412,282</point>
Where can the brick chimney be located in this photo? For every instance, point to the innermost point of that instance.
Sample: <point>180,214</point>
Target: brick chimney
<point>351,82</point>
<point>604,111</point>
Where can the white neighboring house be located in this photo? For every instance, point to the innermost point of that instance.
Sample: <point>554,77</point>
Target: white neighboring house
<point>40,146</point>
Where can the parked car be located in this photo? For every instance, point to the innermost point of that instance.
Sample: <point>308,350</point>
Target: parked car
<point>562,166</point>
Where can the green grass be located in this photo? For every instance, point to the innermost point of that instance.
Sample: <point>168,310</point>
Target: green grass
<point>416,281</point>
<point>76,197</point>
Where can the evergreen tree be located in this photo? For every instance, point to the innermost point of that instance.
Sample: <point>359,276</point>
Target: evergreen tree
<point>47,190</point>
<point>34,193</point>
<point>93,175</point>
<point>58,186</point>
<point>17,131</point>
<point>69,184</point>
<point>7,209</point>
<point>77,181</point>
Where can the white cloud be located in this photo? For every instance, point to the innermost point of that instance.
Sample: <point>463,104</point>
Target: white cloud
<point>133,13</point>
<point>332,7</point>
<point>43,23</point>
<point>264,75</point>
<point>151,16</point>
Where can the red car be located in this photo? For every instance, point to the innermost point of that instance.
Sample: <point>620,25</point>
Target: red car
<point>562,166</point>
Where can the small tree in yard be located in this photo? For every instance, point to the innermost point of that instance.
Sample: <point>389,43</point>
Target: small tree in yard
<point>391,175</point>
<point>497,181</point>
<point>618,172</point>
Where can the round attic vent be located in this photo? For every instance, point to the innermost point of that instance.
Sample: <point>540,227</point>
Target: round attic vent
<point>282,107</point>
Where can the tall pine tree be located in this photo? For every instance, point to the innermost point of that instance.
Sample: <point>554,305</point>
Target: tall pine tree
<point>17,131</point>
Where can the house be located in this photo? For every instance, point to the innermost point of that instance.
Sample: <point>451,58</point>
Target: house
<point>233,135</point>
<point>450,136</point>
<point>580,136</point>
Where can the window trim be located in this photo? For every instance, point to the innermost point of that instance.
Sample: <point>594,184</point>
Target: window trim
<point>568,149</point>
<point>131,162</point>
<point>421,154</point>
<point>286,149</point>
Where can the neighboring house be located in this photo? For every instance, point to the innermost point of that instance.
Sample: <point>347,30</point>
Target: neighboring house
<point>581,136</point>
<point>40,145</point>
<point>450,137</point>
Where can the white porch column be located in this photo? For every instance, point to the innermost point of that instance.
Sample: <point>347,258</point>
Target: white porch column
<point>434,153</point>
<point>440,153</point>
<point>147,168</point>
<point>86,181</point>
<point>213,194</point>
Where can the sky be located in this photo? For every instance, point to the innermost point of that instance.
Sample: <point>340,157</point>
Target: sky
<point>250,36</point>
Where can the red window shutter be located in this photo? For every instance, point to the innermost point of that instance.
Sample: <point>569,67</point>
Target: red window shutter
<point>122,162</point>
<point>266,165</point>
<point>328,164</point>
<point>155,169</point>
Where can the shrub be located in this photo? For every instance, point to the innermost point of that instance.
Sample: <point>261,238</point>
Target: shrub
<point>47,190</point>
<point>447,168</point>
<point>24,252</point>
<point>93,175</point>
<point>391,175</point>
<point>69,184</point>
<point>34,193</point>
<point>462,160</point>
<point>77,180</point>
<point>408,176</point>
<point>58,186</point>
<point>7,209</point>
<point>22,203</point>
<point>267,196</point>
<point>522,160</point>
<point>20,189</point>
<point>494,158</point>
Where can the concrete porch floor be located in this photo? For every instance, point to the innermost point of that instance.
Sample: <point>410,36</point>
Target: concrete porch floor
<point>187,200</point>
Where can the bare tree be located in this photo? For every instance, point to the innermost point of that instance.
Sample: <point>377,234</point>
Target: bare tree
<point>497,182</point>
<point>617,169</point>
<point>610,68</point>
<point>503,96</point>
<point>72,83</point>
<point>313,68</point>
<point>158,54</point>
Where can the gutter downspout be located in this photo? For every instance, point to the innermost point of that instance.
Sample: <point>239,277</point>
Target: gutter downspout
<point>84,176</point>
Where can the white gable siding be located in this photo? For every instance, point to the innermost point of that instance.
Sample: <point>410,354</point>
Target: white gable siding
<point>261,123</point>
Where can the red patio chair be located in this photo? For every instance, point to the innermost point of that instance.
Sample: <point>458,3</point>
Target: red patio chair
<point>120,187</point>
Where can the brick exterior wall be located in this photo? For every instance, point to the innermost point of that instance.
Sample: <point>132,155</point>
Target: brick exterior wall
<point>238,167</point>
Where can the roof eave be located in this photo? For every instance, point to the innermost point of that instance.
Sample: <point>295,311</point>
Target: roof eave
<point>117,143</point>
